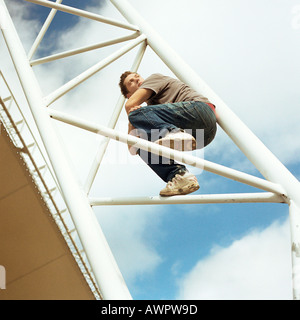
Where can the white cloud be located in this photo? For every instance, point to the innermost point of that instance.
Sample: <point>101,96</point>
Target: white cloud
<point>127,232</point>
<point>257,266</point>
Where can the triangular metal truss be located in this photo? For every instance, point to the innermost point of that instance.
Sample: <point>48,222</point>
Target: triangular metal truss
<point>279,185</point>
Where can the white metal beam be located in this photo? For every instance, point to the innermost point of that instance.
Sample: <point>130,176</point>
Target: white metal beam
<point>105,269</point>
<point>42,32</point>
<point>83,49</point>
<point>263,197</point>
<point>85,14</point>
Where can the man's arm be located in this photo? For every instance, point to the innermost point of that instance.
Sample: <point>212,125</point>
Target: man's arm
<point>137,98</point>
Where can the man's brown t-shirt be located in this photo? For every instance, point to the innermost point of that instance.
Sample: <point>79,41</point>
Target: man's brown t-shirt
<point>169,90</point>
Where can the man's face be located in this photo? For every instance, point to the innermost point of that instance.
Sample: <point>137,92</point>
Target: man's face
<point>132,83</point>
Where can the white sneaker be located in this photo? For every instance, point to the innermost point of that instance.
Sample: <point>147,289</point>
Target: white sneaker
<point>180,184</point>
<point>181,141</point>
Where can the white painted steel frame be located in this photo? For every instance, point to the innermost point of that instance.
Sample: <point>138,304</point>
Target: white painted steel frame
<point>281,184</point>
<point>105,269</point>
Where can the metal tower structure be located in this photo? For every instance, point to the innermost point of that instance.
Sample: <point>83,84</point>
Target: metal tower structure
<point>279,185</point>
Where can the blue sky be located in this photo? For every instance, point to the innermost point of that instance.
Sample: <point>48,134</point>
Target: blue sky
<point>248,52</point>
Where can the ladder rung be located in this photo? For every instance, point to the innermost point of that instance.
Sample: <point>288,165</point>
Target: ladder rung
<point>31,145</point>
<point>63,211</point>
<point>19,122</point>
<point>6,99</point>
<point>40,168</point>
<point>50,191</point>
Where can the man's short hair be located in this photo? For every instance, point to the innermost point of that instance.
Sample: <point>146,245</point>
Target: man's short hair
<point>121,83</point>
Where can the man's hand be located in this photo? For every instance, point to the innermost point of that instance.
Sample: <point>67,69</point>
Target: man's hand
<point>134,108</point>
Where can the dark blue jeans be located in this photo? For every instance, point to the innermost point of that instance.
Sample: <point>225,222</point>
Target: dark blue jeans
<point>154,122</point>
